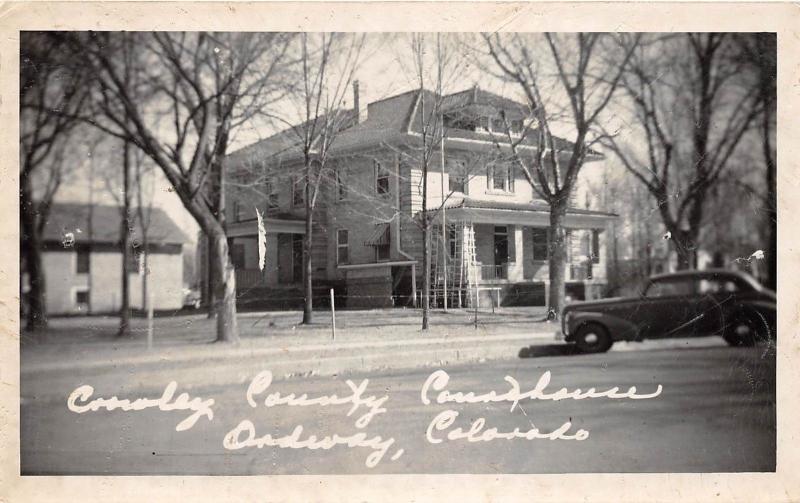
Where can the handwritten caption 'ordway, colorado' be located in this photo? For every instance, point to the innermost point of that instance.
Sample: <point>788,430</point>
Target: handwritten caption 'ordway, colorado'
<point>435,391</point>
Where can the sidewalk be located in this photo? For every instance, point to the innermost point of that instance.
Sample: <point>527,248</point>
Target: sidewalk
<point>364,340</point>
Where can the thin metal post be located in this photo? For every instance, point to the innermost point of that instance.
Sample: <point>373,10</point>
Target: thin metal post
<point>414,284</point>
<point>150,319</point>
<point>547,297</point>
<point>333,318</point>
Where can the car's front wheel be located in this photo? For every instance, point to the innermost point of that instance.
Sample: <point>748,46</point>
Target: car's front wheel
<point>593,338</point>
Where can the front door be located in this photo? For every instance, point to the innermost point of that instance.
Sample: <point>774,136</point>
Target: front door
<point>297,258</point>
<point>500,250</point>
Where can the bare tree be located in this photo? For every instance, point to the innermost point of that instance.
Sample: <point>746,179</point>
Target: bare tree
<point>588,68</point>
<point>51,89</point>
<point>430,80</point>
<point>759,52</point>
<point>691,110</point>
<point>143,177</point>
<point>199,87</point>
<point>328,62</point>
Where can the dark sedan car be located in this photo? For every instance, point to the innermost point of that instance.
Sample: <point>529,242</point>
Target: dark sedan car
<point>711,302</point>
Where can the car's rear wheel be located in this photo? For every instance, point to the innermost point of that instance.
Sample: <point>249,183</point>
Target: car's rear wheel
<point>745,331</point>
<point>593,338</point>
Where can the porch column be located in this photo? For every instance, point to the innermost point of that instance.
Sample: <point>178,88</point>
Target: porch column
<point>517,274</point>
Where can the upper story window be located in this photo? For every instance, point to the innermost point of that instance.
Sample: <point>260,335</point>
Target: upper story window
<point>381,179</point>
<point>237,211</point>
<point>500,177</point>
<point>272,195</point>
<point>298,191</point>
<point>341,185</point>
<point>457,177</point>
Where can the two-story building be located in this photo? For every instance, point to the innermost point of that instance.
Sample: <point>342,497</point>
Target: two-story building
<point>367,234</point>
<point>83,263</point>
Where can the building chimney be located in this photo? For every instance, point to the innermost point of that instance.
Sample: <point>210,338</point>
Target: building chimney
<point>359,107</point>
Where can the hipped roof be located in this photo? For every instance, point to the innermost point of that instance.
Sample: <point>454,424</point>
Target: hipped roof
<point>390,120</point>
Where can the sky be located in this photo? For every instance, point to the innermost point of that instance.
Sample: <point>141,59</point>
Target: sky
<point>386,68</point>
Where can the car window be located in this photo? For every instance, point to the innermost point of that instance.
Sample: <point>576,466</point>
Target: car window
<point>714,286</point>
<point>671,287</point>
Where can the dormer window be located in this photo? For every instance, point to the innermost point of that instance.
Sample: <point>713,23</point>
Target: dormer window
<point>498,126</point>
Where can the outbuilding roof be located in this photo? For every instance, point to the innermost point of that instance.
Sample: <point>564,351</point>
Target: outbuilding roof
<point>106,220</point>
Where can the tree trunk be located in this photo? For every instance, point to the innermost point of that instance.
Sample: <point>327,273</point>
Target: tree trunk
<point>145,273</point>
<point>224,284</point>
<point>211,260</point>
<point>217,190</point>
<point>125,246</point>
<point>31,250</point>
<point>683,242</point>
<point>426,269</point>
<point>308,290</point>
<point>557,262</point>
<point>772,208</point>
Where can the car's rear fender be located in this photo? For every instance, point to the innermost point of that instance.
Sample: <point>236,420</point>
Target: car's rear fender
<point>618,328</point>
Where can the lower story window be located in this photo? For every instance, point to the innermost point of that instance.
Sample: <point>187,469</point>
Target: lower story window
<point>383,245</point>
<point>237,255</point>
<point>541,244</point>
<point>82,298</point>
<point>342,247</point>
<point>595,246</point>
<point>382,252</point>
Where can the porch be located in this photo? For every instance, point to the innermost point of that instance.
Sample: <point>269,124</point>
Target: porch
<point>283,254</point>
<point>482,253</point>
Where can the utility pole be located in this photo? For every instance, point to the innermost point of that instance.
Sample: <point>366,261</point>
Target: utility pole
<point>441,151</point>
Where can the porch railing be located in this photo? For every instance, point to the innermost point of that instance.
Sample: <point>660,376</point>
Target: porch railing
<point>492,271</point>
<point>580,272</point>
<point>248,278</point>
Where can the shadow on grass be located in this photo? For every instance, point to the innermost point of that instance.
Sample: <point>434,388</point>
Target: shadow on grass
<point>548,350</point>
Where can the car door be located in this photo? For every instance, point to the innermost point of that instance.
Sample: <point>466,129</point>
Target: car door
<point>668,307</point>
<point>717,302</point>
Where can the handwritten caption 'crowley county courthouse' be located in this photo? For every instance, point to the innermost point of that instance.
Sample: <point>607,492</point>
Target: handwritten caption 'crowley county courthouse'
<point>435,391</point>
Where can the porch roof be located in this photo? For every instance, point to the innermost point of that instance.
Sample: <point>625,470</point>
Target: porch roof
<point>534,213</point>
<point>271,226</point>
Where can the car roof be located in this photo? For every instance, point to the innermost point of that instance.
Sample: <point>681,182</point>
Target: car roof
<point>705,273</point>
